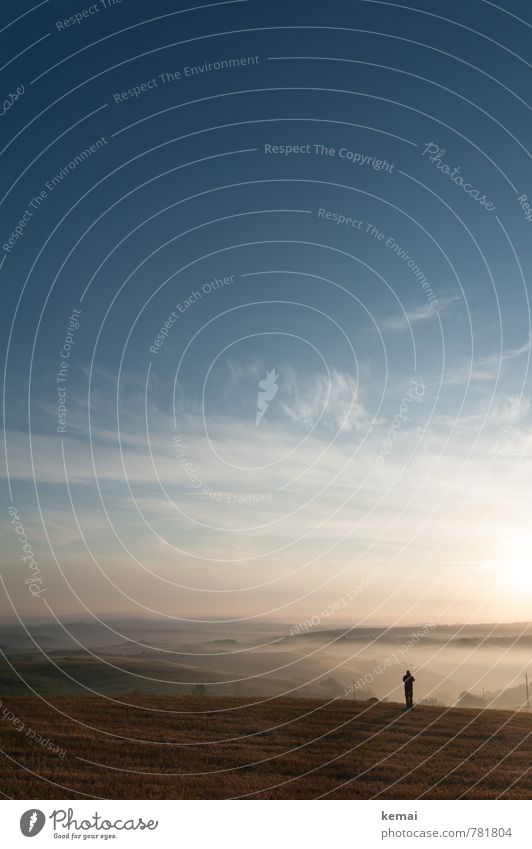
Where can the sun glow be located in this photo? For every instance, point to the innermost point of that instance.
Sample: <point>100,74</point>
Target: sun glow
<point>517,562</point>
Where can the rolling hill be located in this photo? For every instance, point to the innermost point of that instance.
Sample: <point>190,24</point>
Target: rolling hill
<point>140,746</point>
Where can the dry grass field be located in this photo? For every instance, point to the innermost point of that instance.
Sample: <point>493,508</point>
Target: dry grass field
<point>214,748</point>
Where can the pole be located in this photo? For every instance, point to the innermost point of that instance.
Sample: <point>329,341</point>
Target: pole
<point>527,699</point>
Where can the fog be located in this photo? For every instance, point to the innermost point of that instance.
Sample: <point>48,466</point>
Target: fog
<point>470,666</point>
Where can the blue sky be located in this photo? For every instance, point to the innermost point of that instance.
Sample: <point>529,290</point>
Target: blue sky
<point>241,212</point>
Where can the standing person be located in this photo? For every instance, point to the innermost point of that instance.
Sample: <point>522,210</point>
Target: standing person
<point>408,681</point>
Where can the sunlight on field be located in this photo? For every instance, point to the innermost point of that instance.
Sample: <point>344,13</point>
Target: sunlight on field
<point>162,747</point>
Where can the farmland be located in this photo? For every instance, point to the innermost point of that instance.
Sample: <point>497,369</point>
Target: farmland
<point>207,747</point>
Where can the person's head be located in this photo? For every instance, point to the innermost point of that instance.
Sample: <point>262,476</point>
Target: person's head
<point>408,672</point>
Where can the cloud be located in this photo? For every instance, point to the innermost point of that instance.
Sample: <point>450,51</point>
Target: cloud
<point>426,312</point>
<point>332,400</point>
<point>323,488</point>
<point>485,368</point>
<point>239,371</point>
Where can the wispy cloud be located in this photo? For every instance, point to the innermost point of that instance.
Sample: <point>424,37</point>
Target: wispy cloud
<point>332,400</point>
<point>426,312</point>
<point>485,368</point>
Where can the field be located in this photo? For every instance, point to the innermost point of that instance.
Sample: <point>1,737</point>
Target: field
<point>217,748</point>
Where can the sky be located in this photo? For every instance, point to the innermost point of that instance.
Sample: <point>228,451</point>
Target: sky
<point>265,314</point>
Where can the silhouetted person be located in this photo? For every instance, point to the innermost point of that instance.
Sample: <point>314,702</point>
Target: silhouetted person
<point>408,681</point>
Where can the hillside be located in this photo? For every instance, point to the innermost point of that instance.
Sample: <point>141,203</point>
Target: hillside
<point>194,747</point>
